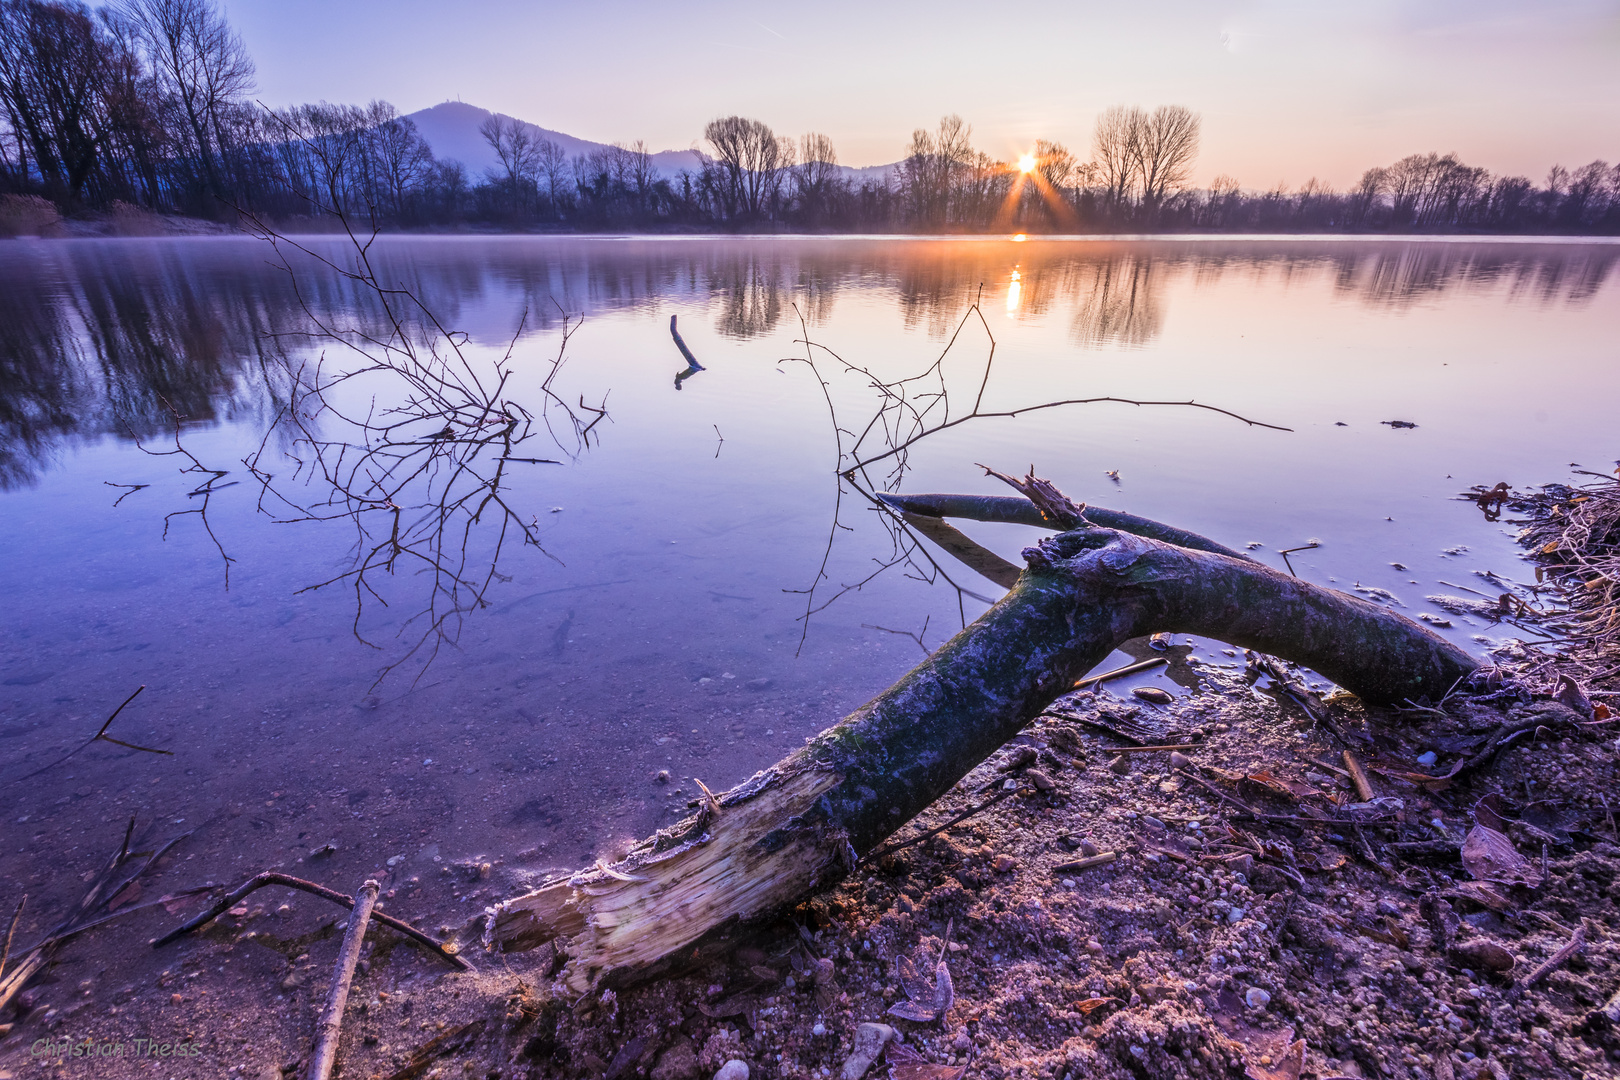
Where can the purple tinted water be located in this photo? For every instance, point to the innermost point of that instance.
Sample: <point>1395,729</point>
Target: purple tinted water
<point>660,627</point>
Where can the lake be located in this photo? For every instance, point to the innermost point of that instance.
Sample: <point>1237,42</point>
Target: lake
<point>702,592</point>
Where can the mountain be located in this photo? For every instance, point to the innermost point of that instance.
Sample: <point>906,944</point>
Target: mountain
<point>451,129</point>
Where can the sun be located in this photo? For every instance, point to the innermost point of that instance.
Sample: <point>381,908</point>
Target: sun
<point>1026,163</point>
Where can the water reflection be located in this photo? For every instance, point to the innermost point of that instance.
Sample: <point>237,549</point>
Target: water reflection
<point>113,337</point>
<point>1120,304</point>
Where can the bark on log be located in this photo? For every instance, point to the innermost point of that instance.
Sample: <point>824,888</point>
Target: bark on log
<point>808,818</point>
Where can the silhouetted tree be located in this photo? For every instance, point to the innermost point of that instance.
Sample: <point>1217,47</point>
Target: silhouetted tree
<point>1166,145</point>
<point>1114,147</point>
<point>816,183</point>
<point>518,150</point>
<point>203,73</point>
<point>753,160</point>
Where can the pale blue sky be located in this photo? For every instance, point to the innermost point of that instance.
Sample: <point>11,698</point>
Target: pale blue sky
<point>1287,91</point>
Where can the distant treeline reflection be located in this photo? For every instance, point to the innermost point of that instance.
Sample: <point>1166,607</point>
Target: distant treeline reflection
<point>117,337</point>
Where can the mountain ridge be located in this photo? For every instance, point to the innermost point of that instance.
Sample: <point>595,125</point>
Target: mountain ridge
<point>450,128</point>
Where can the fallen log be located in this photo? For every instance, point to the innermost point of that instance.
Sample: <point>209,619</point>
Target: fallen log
<point>806,820</point>
<point>1012,510</point>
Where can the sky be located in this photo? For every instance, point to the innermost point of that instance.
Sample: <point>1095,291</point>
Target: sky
<point>1287,91</point>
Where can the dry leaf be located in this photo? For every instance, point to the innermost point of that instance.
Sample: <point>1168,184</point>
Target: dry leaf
<point>1569,693</point>
<point>1483,955</point>
<point>1488,855</point>
<point>1090,1005</point>
<point>1328,859</point>
<point>926,1003</point>
<point>1290,789</point>
<point>1478,892</point>
<point>906,1064</point>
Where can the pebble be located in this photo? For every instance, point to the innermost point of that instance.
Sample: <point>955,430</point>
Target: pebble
<point>818,1028</point>
<point>1389,907</point>
<point>733,1070</point>
<point>1153,823</point>
<point>1004,863</point>
<point>1427,758</point>
<point>1256,998</point>
<point>1120,765</point>
<point>1178,760</point>
<point>1040,780</point>
<point>1088,849</point>
<point>1153,694</point>
<point>870,1039</point>
<point>1235,915</point>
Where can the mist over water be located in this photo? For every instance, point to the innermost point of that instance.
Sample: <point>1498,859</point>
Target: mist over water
<point>661,625</point>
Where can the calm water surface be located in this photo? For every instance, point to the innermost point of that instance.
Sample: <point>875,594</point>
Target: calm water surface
<point>662,624</point>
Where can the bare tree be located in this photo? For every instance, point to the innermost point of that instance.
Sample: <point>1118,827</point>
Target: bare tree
<point>402,162</point>
<point>515,145</point>
<point>202,64</point>
<point>53,68</point>
<point>1166,145</point>
<point>1054,163</point>
<point>1364,196</point>
<point>641,175</point>
<point>938,178</point>
<point>551,162</point>
<point>1114,149</point>
<point>754,161</point>
<point>815,175</point>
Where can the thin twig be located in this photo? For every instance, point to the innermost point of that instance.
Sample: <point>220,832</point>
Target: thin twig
<point>1128,669</point>
<point>963,816</point>
<point>103,737</point>
<point>1358,777</point>
<point>272,877</point>
<point>1085,864</point>
<point>1575,944</point>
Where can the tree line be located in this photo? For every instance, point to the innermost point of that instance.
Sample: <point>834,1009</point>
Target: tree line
<point>147,103</point>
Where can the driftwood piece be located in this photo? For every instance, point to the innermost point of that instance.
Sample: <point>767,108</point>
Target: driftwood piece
<point>273,877</point>
<point>330,1025</point>
<point>807,819</point>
